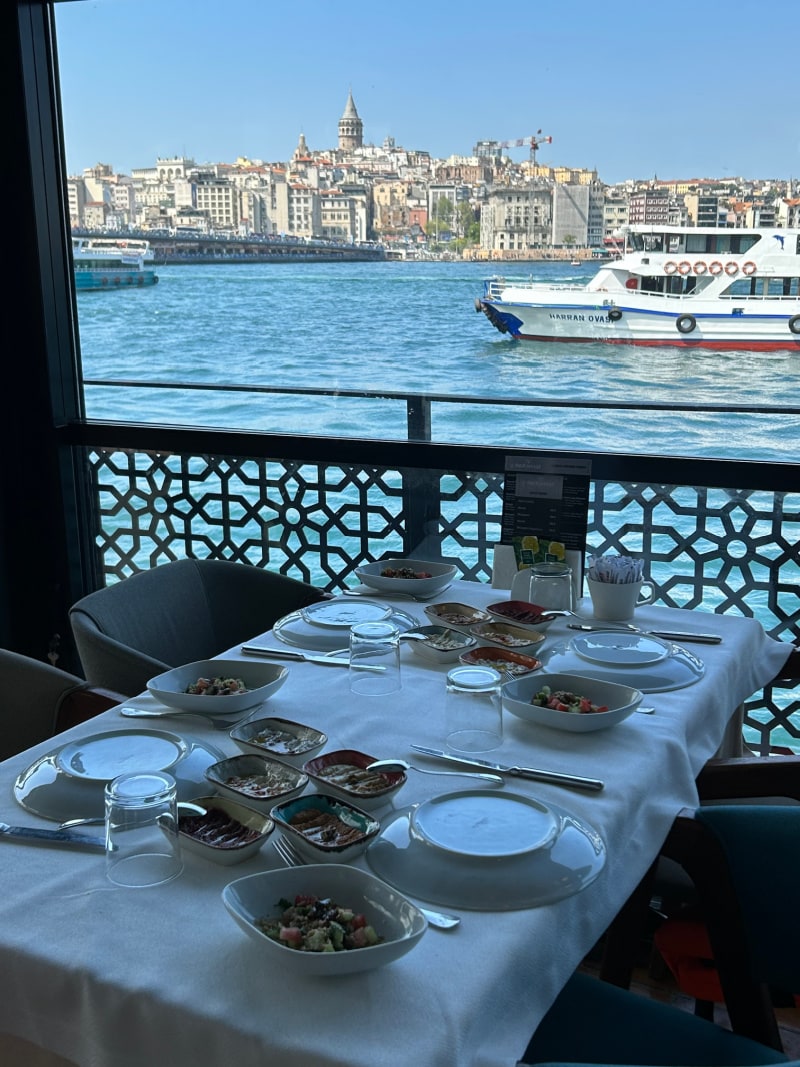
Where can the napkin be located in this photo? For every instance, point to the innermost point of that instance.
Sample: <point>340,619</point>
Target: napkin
<point>619,570</point>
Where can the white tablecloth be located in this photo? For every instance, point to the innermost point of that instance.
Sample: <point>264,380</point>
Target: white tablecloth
<point>127,978</point>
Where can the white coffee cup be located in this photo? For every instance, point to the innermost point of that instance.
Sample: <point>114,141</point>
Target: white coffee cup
<point>617,601</point>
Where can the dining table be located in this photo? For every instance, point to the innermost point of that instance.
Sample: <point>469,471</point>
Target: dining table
<point>94,974</point>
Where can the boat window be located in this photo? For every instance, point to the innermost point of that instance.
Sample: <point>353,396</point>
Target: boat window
<point>653,242</point>
<point>674,243</point>
<point>782,286</point>
<point>636,242</point>
<point>696,242</point>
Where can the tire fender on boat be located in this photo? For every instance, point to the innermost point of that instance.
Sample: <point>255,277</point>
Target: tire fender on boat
<point>715,267</point>
<point>670,266</point>
<point>748,268</point>
<point>731,268</point>
<point>478,304</point>
<point>684,267</point>
<point>614,314</point>
<point>700,267</point>
<point>685,323</point>
<point>794,324</point>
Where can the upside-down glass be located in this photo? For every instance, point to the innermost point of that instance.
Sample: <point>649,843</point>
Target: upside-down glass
<point>551,586</point>
<point>374,658</point>
<point>473,709</point>
<point>142,844</point>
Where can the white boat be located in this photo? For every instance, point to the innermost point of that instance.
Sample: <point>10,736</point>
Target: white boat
<point>112,263</point>
<point>701,287</point>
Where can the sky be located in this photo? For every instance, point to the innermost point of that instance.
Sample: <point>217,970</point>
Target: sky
<point>677,90</point>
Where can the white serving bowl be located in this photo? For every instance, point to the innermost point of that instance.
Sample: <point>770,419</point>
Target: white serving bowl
<point>384,784</point>
<point>310,843</point>
<point>465,616</point>
<point>291,742</point>
<point>428,649</point>
<point>398,922</point>
<point>261,679</point>
<point>506,635</point>
<point>221,847</point>
<point>441,575</point>
<point>522,613</point>
<point>284,780</point>
<point>622,701</point>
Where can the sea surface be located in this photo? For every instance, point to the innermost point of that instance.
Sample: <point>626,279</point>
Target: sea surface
<point>412,327</point>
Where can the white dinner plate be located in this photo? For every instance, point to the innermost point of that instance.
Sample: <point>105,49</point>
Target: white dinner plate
<point>679,670</point>
<point>101,757</point>
<point>615,648</point>
<point>293,630</point>
<point>479,823</point>
<point>45,789</point>
<point>567,864</point>
<point>343,612</point>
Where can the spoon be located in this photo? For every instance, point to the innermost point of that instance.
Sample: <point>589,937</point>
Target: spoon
<point>401,765</point>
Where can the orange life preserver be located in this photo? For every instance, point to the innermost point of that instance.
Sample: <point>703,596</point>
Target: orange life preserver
<point>749,268</point>
<point>685,267</point>
<point>731,268</point>
<point>670,266</point>
<point>700,267</point>
<point>715,267</point>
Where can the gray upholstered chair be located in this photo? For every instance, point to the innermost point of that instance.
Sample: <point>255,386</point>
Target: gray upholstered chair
<point>177,613</point>
<point>40,700</point>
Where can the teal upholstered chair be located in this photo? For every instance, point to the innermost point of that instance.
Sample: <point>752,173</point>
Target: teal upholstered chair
<point>745,863</point>
<point>177,613</point>
<point>39,700</point>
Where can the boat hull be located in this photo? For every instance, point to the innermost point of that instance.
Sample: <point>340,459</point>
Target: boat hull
<point>91,280</point>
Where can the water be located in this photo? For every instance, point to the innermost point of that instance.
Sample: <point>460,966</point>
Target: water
<point>412,327</point>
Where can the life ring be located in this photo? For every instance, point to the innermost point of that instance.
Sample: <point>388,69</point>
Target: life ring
<point>715,267</point>
<point>748,268</point>
<point>794,324</point>
<point>104,281</point>
<point>731,268</point>
<point>684,267</point>
<point>478,304</point>
<point>614,314</point>
<point>670,266</point>
<point>700,267</point>
<point>685,323</point>
<point>116,281</point>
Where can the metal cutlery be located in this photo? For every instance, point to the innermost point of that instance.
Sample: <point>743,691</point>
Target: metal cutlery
<point>302,657</point>
<point>218,722</point>
<point>576,781</point>
<point>38,836</point>
<point>376,594</point>
<point>292,858</point>
<point>667,635</point>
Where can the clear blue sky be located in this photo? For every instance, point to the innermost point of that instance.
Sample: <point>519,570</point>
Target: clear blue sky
<point>677,90</point>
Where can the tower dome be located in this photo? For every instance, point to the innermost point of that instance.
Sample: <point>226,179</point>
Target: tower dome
<point>351,128</point>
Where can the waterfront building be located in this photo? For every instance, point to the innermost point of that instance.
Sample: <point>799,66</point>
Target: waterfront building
<point>516,219</point>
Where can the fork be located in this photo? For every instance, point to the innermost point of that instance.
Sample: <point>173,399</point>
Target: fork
<point>219,722</point>
<point>292,858</point>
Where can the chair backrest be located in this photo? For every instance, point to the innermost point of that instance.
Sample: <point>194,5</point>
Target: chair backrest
<point>177,613</point>
<point>33,693</point>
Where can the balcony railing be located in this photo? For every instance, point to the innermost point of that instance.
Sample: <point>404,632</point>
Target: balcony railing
<point>718,535</point>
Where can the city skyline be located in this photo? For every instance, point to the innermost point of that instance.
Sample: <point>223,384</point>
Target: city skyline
<point>678,92</point>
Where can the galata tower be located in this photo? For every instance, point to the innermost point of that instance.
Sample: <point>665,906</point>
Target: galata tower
<point>351,128</point>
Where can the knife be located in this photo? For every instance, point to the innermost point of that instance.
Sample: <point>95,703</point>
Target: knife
<point>52,837</point>
<point>280,653</point>
<point>668,635</point>
<point>554,777</point>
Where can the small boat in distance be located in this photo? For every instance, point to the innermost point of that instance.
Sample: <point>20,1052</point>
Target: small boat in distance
<point>694,287</point>
<point>112,263</point>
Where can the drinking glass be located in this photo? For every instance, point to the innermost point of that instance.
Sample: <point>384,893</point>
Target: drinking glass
<point>142,845</point>
<point>551,586</point>
<point>473,709</point>
<point>374,658</point>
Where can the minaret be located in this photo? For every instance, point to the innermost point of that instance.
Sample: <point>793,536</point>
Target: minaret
<point>351,128</point>
<point>301,152</point>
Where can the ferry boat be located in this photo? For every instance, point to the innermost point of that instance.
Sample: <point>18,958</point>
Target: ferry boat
<point>701,287</point>
<point>112,263</point>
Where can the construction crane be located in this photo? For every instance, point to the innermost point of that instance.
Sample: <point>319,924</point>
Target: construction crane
<point>533,141</point>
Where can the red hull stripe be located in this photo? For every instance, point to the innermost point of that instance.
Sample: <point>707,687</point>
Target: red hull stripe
<point>749,345</point>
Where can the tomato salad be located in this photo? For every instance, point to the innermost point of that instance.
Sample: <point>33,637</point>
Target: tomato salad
<point>563,700</point>
<point>312,924</point>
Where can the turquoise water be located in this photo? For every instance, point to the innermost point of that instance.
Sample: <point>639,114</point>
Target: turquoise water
<point>411,327</point>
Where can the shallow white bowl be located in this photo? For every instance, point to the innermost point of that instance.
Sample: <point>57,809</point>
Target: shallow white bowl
<point>428,650</point>
<point>395,919</point>
<point>290,781</point>
<point>291,742</point>
<point>367,825</point>
<point>622,701</point>
<point>441,575</point>
<point>261,679</point>
<point>226,855</point>
<point>347,757</point>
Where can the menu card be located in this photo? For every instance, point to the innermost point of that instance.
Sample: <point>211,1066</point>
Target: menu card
<point>545,506</point>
